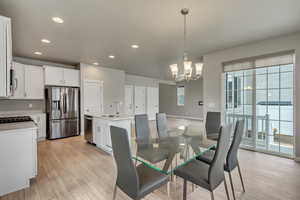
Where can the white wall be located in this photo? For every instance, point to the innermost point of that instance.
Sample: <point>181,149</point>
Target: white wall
<point>213,70</point>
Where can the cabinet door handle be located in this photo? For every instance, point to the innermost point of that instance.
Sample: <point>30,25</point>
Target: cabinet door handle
<point>16,84</point>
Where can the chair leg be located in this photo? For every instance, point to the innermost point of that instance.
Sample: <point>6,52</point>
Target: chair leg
<point>231,183</point>
<point>226,188</point>
<point>115,192</point>
<point>212,195</point>
<point>184,189</point>
<point>240,173</point>
<point>168,189</point>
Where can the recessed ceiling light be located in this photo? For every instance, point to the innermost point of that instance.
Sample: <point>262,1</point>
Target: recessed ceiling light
<point>38,53</point>
<point>96,63</point>
<point>111,56</point>
<point>135,46</point>
<point>58,20</point>
<point>45,41</point>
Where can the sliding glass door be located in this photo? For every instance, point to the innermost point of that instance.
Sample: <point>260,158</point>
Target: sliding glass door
<point>264,97</point>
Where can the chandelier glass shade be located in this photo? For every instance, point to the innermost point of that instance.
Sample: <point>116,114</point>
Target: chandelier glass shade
<point>186,71</point>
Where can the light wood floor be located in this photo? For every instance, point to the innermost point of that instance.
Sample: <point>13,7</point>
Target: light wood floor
<point>70,169</point>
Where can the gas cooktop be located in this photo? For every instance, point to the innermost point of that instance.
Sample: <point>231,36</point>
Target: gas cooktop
<point>6,120</point>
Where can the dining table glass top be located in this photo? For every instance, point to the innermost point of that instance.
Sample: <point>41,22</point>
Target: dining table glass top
<point>166,154</point>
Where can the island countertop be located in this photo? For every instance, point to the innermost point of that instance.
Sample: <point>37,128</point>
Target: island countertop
<point>109,117</point>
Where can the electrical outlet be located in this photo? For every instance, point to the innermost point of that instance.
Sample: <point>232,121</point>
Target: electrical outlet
<point>30,105</point>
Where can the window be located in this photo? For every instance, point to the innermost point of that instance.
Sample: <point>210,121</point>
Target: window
<point>261,92</point>
<point>180,96</point>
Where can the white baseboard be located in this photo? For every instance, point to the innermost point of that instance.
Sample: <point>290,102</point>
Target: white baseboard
<point>184,117</point>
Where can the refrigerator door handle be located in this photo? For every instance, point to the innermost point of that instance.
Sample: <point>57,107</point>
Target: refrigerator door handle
<point>65,103</point>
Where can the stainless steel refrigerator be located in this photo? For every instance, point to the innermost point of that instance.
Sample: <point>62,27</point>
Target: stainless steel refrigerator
<point>62,106</point>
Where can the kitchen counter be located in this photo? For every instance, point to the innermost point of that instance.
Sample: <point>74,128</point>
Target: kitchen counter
<point>18,125</point>
<point>112,117</point>
<point>20,113</point>
<point>101,129</point>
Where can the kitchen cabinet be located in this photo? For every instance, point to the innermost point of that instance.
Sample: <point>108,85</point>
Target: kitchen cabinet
<point>40,121</point>
<point>18,155</point>
<point>28,82</point>
<point>61,76</point>
<point>18,81</point>
<point>93,96</point>
<point>34,82</point>
<point>152,102</point>
<point>5,56</point>
<point>72,77</point>
<point>102,130</point>
<point>140,100</point>
<point>129,104</point>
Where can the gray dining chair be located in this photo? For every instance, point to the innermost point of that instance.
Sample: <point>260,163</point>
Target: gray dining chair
<point>161,125</point>
<point>142,129</point>
<point>232,156</point>
<point>146,151</point>
<point>212,125</point>
<point>204,175</point>
<point>136,182</point>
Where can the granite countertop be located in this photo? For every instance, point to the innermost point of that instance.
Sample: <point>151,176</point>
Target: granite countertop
<point>16,126</point>
<point>112,117</point>
<point>20,113</point>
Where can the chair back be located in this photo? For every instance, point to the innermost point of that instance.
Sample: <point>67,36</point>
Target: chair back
<point>232,158</point>
<point>161,124</point>
<point>216,169</point>
<point>142,129</point>
<point>213,122</point>
<point>127,177</point>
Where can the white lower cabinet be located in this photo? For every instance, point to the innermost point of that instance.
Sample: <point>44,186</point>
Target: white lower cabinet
<point>40,121</point>
<point>18,155</point>
<point>102,132</point>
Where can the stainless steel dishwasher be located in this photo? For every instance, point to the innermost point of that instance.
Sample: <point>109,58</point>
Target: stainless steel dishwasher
<point>88,129</point>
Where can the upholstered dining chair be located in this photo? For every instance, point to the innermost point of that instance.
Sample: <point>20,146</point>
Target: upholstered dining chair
<point>204,175</point>
<point>212,125</point>
<point>142,129</point>
<point>136,182</point>
<point>232,156</point>
<point>161,125</point>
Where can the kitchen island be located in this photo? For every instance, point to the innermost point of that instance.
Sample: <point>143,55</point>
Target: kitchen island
<point>101,129</point>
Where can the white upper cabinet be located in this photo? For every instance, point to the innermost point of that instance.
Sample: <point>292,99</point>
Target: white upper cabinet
<point>54,76</point>
<point>93,97</point>
<point>28,82</point>
<point>152,102</point>
<point>71,77</point>
<point>18,81</point>
<point>34,82</point>
<point>61,76</point>
<point>5,56</point>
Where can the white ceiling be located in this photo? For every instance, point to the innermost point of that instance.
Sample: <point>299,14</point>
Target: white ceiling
<point>93,29</point>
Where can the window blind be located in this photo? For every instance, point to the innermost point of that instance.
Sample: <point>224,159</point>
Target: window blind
<point>261,61</point>
<point>272,61</point>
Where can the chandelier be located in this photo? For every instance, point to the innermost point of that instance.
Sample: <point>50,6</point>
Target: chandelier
<point>187,71</point>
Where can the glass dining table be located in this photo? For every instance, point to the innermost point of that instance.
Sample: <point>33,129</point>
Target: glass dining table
<point>166,154</point>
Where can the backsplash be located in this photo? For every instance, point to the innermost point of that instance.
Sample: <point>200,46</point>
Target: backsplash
<point>23,105</point>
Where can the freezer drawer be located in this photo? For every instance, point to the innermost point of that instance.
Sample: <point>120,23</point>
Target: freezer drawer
<point>63,128</point>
